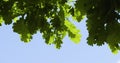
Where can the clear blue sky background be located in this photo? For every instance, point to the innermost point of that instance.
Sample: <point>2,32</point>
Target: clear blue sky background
<point>12,50</point>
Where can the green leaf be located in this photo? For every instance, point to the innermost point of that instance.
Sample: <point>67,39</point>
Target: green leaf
<point>73,32</point>
<point>113,48</point>
<point>51,40</point>
<point>21,28</point>
<point>26,37</point>
<point>1,20</point>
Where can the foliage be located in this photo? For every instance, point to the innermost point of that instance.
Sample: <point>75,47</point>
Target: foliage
<point>51,18</point>
<point>103,22</point>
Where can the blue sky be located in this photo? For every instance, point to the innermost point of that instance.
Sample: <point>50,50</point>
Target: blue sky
<point>12,50</point>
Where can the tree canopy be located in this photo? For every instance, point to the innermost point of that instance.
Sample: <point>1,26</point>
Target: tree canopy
<point>51,19</point>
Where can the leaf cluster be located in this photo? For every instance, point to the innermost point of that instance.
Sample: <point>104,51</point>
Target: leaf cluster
<point>51,18</point>
<point>103,22</point>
